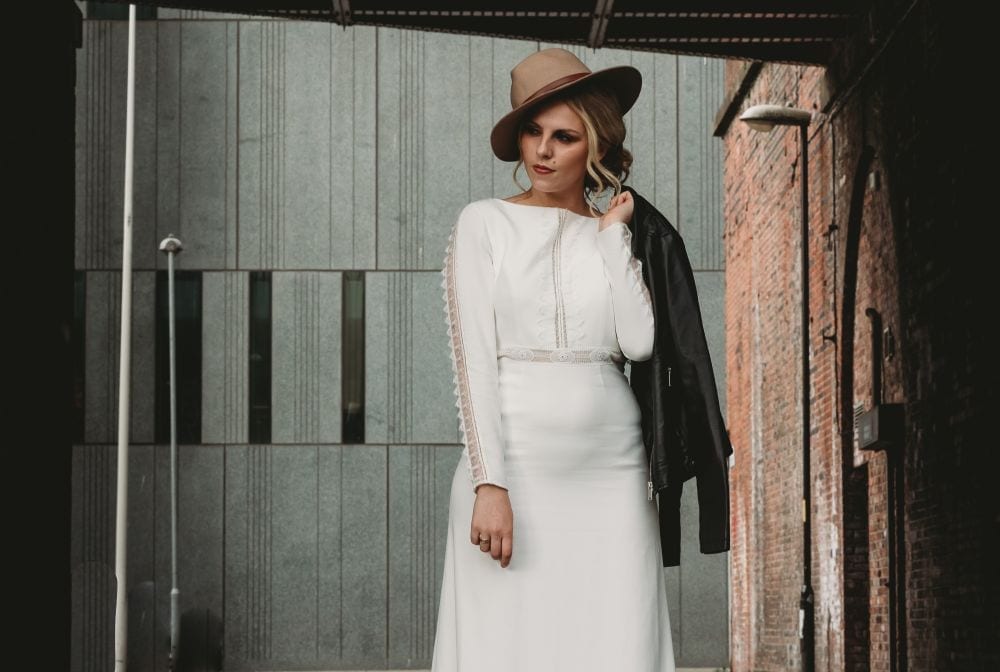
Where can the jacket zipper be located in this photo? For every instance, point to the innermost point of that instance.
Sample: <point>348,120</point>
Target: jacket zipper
<point>649,483</point>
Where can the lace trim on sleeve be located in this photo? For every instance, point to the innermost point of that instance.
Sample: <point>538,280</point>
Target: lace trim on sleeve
<point>463,396</point>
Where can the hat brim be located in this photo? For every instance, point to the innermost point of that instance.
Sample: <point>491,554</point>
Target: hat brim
<point>624,80</point>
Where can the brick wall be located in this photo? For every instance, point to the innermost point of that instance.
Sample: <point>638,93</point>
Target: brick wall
<point>893,229</point>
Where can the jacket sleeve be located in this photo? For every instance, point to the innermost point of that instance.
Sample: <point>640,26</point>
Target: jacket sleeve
<point>634,324</point>
<point>468,281</point>
<point>706,430</point>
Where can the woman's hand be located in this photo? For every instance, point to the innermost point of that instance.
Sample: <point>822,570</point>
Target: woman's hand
<point>619,210</point>
<point>493,518</point>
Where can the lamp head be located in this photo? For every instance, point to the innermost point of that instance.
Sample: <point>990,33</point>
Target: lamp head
<point>763,118</point>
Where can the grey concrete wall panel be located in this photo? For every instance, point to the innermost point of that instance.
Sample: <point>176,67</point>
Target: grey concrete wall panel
<point>307,156</point>
<point>307,159</point>
<point>168,133</point>
<point>420,479</point>
<point>430,161</point>
<point>101,342</point>
<point>379,354</point>
<point>712,297</point>
<point>196,140</point>
<point>400,135</point>
<point>408,379</point>
<point>149,478</point>
<point>248,552</point>
<point>92,550</point>
<point>262,151</point>
<point>294,561</point>
<point>364,565</point>
<point>232,146</point>
<point>306,557</point>
<point>306,393</point>
<point>700,90</point>
<point>354,205</point>
<point>332,619</point>
<point>92,598</point>
<point>437,138</point>
<point>641,132</point>
<point>655,168</point>
<point>148,546</point>
<point>225,357</point>
<point>200,527</point>
<point>100,145</point>
<point>93,496</point>
<point>204,100</point>
<point>145,239</point>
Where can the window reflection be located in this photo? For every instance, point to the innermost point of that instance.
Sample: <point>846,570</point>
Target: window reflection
<point>353,358</point>
<point>260,357</point>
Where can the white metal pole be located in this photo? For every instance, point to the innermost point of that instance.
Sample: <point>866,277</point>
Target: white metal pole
<point>124,368</point>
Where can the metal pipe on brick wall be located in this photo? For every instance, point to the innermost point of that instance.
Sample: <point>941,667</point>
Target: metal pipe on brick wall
<point>894,513</point>
<point>806,602</point>
<point>764,118</point>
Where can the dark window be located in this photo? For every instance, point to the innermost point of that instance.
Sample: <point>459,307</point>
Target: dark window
<point>187,328</point>
<point>78,353</point>
<point>353,358</point>
<point>118,10</point>
<point>260,357</point>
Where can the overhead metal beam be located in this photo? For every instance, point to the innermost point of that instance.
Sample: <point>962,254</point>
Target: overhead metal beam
<point>803,32</point>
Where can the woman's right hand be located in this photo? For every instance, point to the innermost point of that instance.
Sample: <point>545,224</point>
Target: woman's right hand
<point>493,518</point>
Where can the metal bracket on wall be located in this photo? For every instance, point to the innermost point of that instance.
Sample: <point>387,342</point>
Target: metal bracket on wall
<point>599,24</point>
<point>342,12</point>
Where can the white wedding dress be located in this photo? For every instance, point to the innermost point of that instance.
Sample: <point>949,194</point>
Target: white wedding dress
<point>542,310</point>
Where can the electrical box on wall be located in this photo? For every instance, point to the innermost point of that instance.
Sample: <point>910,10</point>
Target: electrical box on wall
<point>879,427</point>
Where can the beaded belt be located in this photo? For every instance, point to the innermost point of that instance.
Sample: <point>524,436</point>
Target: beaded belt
<point>563,354</point>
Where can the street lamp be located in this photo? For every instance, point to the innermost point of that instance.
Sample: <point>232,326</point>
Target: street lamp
<point>172,246</point>
<point>764,118</point>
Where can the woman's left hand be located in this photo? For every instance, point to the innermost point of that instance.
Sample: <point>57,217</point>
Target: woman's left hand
<point>619,210</point>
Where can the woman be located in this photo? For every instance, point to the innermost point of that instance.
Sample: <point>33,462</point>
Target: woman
<point>544,302</point>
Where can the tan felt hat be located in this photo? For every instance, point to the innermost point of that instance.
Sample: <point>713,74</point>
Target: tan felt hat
<point>547,72</point>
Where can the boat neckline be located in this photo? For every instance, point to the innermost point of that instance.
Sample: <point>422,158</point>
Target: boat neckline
<point>544,207</point>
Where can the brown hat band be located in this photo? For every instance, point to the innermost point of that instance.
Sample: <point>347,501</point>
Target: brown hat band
<point>554,85</point>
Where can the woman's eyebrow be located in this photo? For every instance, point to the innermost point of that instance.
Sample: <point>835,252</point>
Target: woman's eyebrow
<point>558,130</point>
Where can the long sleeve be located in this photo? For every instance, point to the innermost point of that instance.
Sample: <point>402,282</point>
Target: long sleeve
<point>468,283</point>
<point>634,324</point>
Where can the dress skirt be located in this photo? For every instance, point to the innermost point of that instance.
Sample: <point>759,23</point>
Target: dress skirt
<point>584,590</point>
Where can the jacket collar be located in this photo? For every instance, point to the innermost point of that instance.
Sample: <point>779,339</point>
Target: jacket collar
<point>646,219</point>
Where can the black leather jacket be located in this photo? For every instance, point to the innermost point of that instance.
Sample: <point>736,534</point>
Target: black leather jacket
<point>682,425</point>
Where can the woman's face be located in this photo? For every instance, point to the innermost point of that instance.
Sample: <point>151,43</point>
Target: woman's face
<point>555,138</point>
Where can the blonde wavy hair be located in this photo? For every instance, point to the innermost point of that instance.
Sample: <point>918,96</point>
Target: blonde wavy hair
<point>600,112</point>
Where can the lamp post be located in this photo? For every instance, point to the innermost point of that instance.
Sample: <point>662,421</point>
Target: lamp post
<point>171,246</point>
<point>763,118</point>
